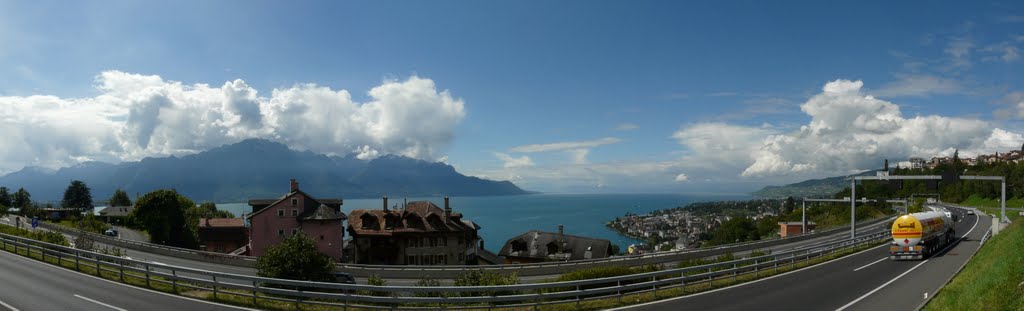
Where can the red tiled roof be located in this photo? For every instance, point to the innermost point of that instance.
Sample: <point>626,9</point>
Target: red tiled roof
<point>423,209</point>
<point>221,222</point>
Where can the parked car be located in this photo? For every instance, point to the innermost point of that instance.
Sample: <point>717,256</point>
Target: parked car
<point>970,212</point>
<point>111,232</point>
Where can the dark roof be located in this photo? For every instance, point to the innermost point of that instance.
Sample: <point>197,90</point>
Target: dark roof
<point>322,212</point>
<point>417,217</point>
<point>116,211</point>
<point>570,247</point>
<point>262,204</point>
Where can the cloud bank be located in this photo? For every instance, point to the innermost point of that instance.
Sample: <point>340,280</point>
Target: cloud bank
<point>137,116</point>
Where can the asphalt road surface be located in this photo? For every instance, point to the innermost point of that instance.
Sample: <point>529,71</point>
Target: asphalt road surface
<point>33,285</point>
<point>864,281</point>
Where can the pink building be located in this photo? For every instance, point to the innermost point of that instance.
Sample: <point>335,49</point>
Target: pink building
<point>273,220</point>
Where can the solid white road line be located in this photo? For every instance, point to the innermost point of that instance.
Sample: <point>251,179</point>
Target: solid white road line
<point>48,266</point>
<point>865,266</point>
<point>746,283</point>
<point>908,271</point>
<point>8,306</point>
<point>880,287</point>
<point>99,303</point>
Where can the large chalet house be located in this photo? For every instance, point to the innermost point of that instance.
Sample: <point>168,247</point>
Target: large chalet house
<point>421,233</point>
<point>272,220</point>
<point>538,246</point>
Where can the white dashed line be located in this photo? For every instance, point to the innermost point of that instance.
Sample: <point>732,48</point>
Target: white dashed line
<point>874,262</point>
<point>99,303</point>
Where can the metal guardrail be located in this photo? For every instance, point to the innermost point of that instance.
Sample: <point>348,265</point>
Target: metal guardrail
<point>450,271</point>
<point>414,297</point>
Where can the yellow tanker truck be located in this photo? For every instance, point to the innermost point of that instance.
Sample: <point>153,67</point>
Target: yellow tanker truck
<point>919,235</point>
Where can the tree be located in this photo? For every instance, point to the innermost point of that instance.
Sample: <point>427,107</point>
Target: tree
<point>209,210</point>
<point>120,198</point>
<point>77,196</point>
<point>22,199</point>
<point>163,214</point>
<point>296,258</point>
<point>5,197</point>
<point>789,206</point>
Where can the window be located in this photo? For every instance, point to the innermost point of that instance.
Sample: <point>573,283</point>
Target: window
<point>295,212</point>
<point>410,260</point>
<point>444,241</point>
<point>280,212</point>
<point>280,232</point>
<point>295,231</point>
<point>295,201</point>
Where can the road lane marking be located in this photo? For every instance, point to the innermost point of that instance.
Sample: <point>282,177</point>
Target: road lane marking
<point>48,266</point>
<point>880,287</point>
<point>908,271</point>
<point>874,262</point>
<point>8,306</point>
<point>99,303</point>
<point>746,283</point>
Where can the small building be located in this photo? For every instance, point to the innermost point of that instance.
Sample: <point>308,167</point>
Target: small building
<point>794,228</point>
<point>59,213</point>
<point>539,246</point>
<point>116,214</point>
<point>421,233</point>
<point>222,235</point>
<point>272,220</point>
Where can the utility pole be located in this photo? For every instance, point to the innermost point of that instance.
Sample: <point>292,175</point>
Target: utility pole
<point>853,208</point>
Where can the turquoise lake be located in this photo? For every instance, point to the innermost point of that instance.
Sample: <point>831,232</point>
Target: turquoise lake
<point>503,217</point>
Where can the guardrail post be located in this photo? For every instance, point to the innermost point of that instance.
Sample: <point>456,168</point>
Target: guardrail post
<point>78,254</point>
<point>147,275</point>
<point>174,281</point>
<point>120,268</point>
<point>256,286</point>
<point>577,299</point>
<point>655,286</point>
<point>97,259</point>
<point>618,284</point>
<point>735,272</point>
<point>215,288</point>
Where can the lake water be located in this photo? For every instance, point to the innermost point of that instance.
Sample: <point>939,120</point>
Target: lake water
<point>503,217</point>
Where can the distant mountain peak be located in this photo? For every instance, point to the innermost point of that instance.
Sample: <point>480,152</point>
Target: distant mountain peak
<point>257,168</point>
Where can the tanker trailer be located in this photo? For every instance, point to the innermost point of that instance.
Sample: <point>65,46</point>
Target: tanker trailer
<point>919,235</point>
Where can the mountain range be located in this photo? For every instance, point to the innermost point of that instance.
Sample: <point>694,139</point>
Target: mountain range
<point>257,168</point>
<point>813,188</point>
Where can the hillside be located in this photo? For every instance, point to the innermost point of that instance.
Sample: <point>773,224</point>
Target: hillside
<point>257,168</point>
<point>814,188</point>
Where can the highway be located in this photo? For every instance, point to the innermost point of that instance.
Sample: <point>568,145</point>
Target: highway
<point>864,281</point>
<point>33,285</point>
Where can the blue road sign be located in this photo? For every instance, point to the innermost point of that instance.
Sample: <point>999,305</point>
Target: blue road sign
<point>35,222</point>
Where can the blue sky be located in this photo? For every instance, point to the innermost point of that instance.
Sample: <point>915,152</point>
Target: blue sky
<point>568,96</point>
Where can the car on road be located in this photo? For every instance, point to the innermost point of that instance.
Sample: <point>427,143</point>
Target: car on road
<point>344,278</point>
<point>970,212</point>
<point>110,232</point>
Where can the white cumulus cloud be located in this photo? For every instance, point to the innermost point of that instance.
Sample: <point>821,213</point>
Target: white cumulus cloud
<point>851,131</point>
<point>513,162</point>
<point>682,178</point>
<point>136,116</point>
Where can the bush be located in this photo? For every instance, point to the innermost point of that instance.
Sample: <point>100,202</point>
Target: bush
<point>374,280</point>
<point>427,281</point>
<point>486,278</point>
<point>296,258</point>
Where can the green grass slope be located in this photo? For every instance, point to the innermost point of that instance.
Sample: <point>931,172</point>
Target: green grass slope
<point>992,280</point>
